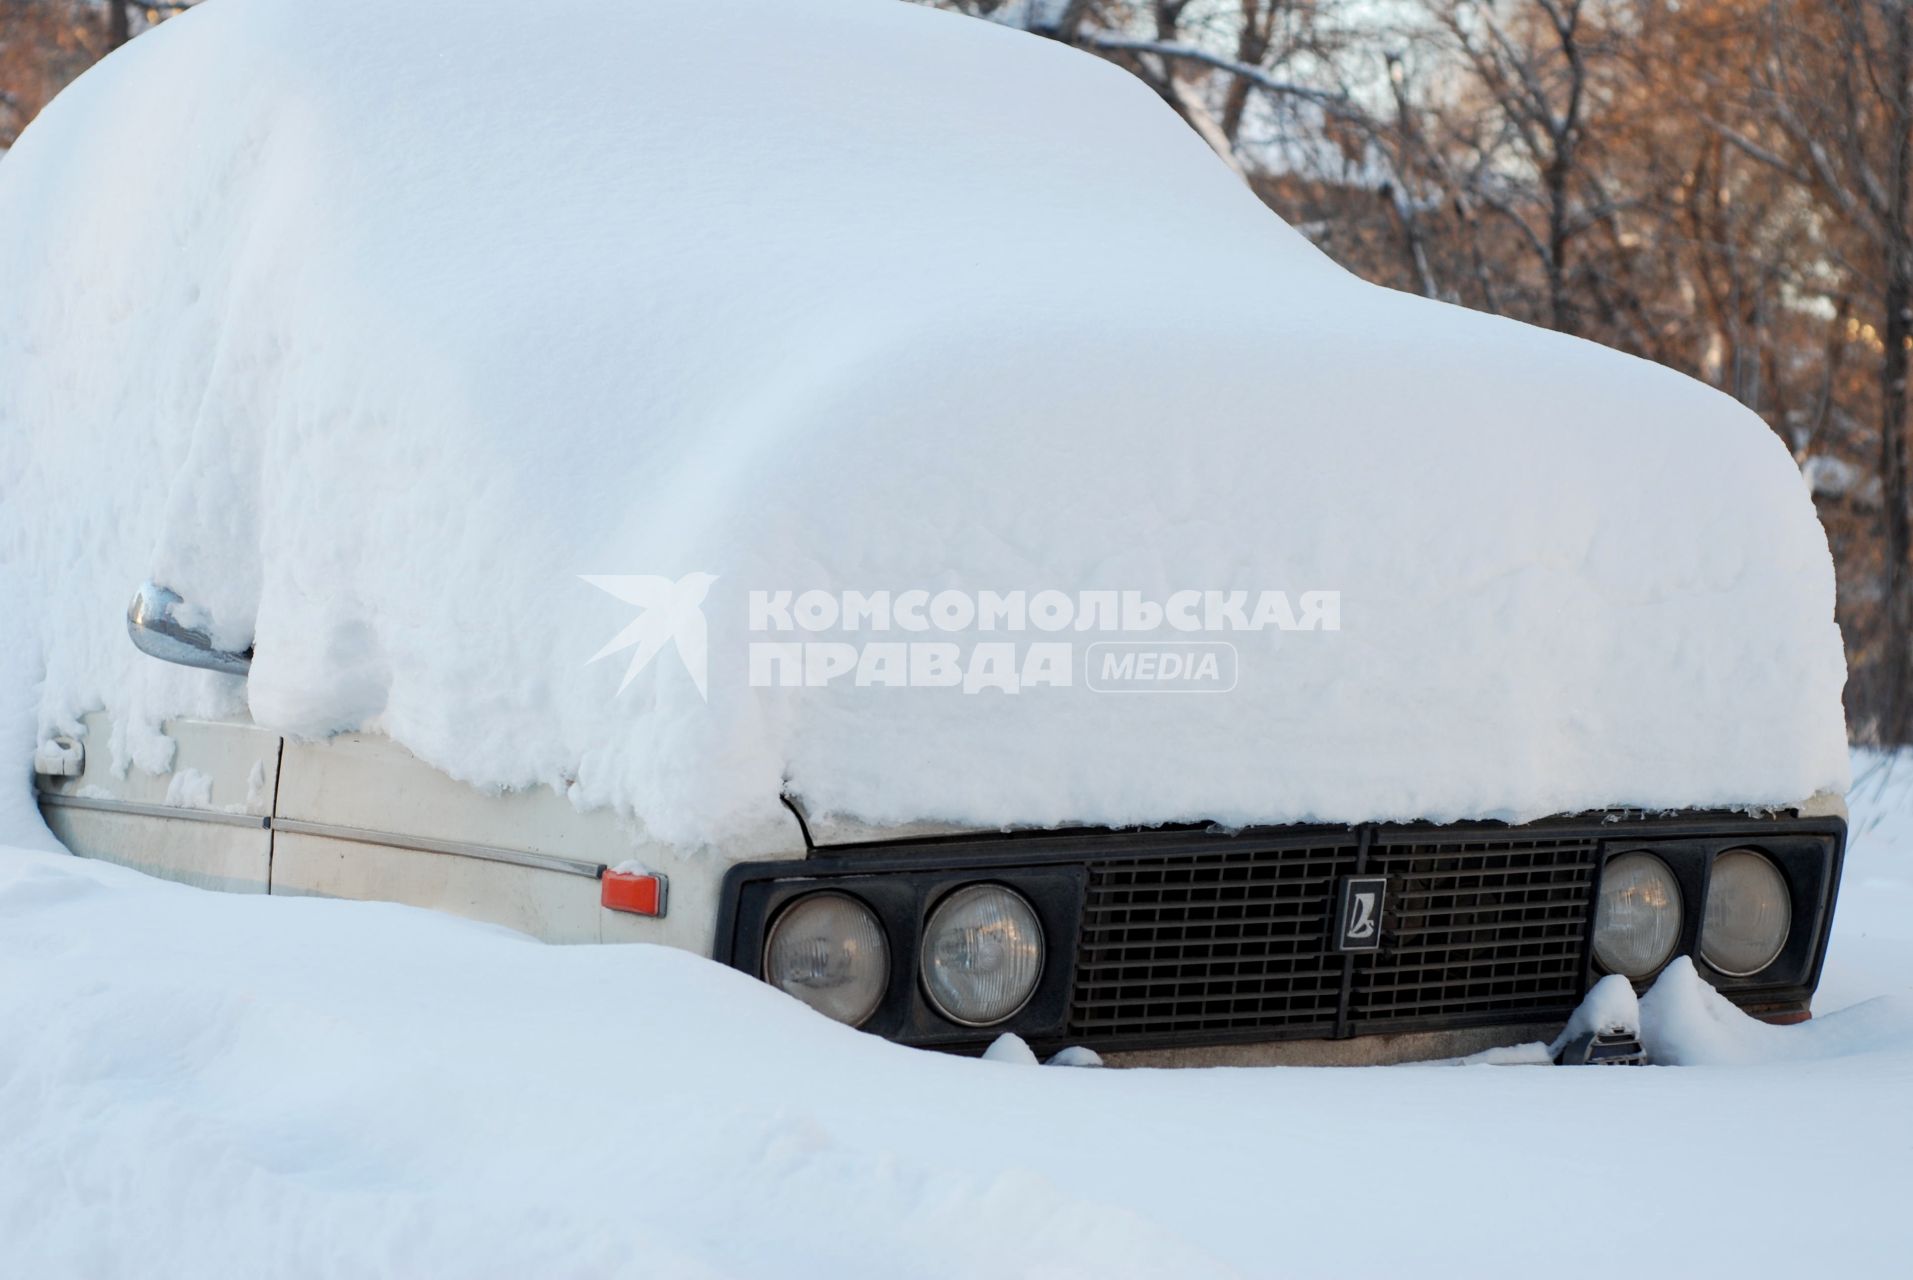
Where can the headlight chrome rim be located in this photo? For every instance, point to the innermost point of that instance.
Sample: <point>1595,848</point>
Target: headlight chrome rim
<point>959,899</point>
<point>1716,919</point>
<point>791,913</point>
<point>1629,884</point>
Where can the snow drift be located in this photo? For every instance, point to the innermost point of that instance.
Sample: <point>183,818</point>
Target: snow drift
<point>217,1084</point>
<point>372,331</point>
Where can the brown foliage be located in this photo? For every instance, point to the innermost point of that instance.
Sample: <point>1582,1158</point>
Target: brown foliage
<point>43,45</point>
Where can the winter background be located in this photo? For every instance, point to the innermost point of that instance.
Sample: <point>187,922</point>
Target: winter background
<point>193,1084</point>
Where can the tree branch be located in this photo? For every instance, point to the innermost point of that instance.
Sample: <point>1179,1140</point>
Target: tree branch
<point>1334,103</point>
<point>1742,143</point>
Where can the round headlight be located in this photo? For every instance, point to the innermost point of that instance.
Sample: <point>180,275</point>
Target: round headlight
<point>982,954</point>
<point>1749,913</point>
<point>1638,920</point>
<point>828,950</point>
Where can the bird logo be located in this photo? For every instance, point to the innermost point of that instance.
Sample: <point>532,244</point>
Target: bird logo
<point>1361,920</point>
<point>670,613</point>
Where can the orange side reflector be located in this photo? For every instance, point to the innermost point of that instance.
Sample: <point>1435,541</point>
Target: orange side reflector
<point>642,894</point>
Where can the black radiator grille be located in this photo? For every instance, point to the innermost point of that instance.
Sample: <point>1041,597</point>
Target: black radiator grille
<point>1216,943</point>
<point>1477,929</point>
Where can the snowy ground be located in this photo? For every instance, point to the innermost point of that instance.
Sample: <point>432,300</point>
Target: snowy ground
<point>194,1084</point>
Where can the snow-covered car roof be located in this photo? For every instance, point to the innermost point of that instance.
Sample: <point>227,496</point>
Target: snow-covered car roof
<point>373,328</point>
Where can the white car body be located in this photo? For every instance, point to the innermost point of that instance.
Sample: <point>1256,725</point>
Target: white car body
<point>430,395</point>
<point>359,817</point>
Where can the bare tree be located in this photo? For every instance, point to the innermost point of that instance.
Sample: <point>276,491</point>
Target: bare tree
<point>1830,105</point>
<point>1209,61</point>
<point>1532,61</point>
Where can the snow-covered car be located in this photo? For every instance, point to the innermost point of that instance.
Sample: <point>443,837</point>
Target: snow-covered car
<point>1047,595</point>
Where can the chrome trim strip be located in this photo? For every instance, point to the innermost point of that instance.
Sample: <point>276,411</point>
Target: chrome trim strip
<point>452,848</point>
<point>135,809</point>
<point>326,830</point>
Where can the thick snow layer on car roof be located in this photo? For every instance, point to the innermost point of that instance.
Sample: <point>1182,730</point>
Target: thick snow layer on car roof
<point>374,328</point>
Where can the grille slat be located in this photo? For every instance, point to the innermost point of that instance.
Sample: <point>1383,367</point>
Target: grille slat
<point>1176,918</point>
<point>1554,924</point>
<point>1312,940</point>
<point>1413,980</point>
<point>1206,980</point>
<point>1217,903</point>
<point>1494,1003</point>
<point>1501,896</point>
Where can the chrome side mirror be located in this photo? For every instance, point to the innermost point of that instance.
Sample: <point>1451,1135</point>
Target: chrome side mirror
<point>163,626</point>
